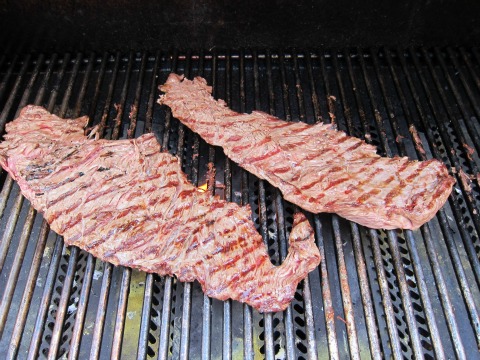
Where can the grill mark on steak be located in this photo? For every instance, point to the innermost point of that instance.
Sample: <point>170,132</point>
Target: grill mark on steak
<point>67,194</point>
<point>289,156</point>
<point>107,191</point>
<point>126,202</point>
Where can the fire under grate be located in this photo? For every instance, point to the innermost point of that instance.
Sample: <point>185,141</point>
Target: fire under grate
<point>376,294</point>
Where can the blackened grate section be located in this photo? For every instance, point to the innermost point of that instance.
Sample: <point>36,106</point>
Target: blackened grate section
<point>400,294</point>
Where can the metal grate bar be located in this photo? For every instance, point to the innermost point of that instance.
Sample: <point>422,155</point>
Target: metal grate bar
<point>14,272</point>
<point>164,332</point>
<point>475,57</point>
<point>441,124</point>
<point>439,278</point>
<point>366,129</point>
<point>101,312</point>
<point>309,322</point>
<point>374,341</point>
<point>468,88</point>
<point>342,268</point>
<point>56,87</point>
<point>458,343</point>
<point>6,78</point>
<point>6,239</point>
<point>168,113</point>
<point>248,330</point>
<point>46,79</point>
<point>120,105</point>
<point>466,237</point>
<point>148,296</point>
<point>345,289</point>
<point>227,180</point>
<point>329,312</point>
<point>3,118</point>
<point>407,305</point>
<point>387,303</point>
<point>348,318</point>
<point>107,268</point>
<point>434,332</point>
<point>108,100</point>
<point>40,324</point>
<point>45,301</point>
<point>10,228</point>
<point>13,93</point>
<point>87,280</point>
<point>187,287</point>
<point>207,302</point>
<point>461,275</point>
<point>72,261</point>
<point>326,294</point>
<point>472,131</point>
<point>167,298</point>
<point>62,307</point>
<point>83,88</point>
<point>15,269</point>
<point>292,330</point>
<point>288,316</point>
<point>68,91</point>
<point>314,97</point>
<point>372,329</point>
<point>443,220</point>
<point>28,293</point>
<point>146,313</point>
<point>406,299</point>
<point>32,79</point>
<point>81,309</point>
<point>262,213</point>
<point>126,272</point>
<point>452,248</point>
<point>121,310</point>
<point>4,196</point>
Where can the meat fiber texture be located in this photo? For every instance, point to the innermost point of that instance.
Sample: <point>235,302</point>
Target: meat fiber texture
<point>315,167</point>
<point>128,203</point>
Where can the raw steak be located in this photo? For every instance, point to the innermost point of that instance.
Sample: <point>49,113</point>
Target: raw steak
<point>130,204</point>
<point>315,166</point>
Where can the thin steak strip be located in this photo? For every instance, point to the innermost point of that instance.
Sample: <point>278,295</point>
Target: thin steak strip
<point>127,203</point>
<point>315,166</point>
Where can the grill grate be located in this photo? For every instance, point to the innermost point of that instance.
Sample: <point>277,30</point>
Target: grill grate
<point>400,294</point>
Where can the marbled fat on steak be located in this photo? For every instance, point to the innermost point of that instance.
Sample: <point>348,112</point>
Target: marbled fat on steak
<point>129,204</point>
<point>316,167</point>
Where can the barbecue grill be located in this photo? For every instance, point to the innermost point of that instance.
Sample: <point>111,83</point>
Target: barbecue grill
<point>376,294</point>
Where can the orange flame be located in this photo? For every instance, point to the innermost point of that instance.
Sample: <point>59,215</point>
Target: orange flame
<point>203,188</point>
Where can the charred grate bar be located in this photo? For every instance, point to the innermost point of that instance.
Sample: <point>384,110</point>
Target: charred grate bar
<point>400,294</point>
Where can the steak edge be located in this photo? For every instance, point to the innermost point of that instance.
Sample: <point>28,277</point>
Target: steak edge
<point>128,203</point>
<point>315,167</point>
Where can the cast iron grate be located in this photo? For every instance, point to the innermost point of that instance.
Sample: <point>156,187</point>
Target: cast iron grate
<point>410,294</point>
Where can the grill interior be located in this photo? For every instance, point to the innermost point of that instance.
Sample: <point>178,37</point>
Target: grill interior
<point>400,294</point>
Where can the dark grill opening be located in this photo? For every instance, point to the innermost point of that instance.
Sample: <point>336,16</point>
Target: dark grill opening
<point>379,294</point>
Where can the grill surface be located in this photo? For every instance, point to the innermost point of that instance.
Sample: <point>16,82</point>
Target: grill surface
<point>400,294</point>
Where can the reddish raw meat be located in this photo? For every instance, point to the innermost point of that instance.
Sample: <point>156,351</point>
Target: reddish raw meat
<point>130,204</point>
<point>315,166</point>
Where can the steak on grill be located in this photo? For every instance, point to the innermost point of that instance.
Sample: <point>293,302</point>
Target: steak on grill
<point>127,203</point>
<point>315,166</point>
